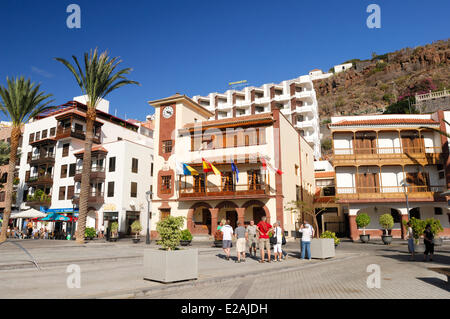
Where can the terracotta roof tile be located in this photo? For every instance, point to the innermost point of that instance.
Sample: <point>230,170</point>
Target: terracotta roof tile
<point>391,121</point>
<point>96,148</point>
<point>324,174</point>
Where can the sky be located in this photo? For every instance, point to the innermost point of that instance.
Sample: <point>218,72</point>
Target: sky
<point>197,47</point>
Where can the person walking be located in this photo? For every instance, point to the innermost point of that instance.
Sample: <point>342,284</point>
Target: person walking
<point>29,229</point>
<point>428,238</point>
<point>264,229</point>
<point>241,239</point>
<point>221,224</point>
<point>307,234</point>
<point>410,238</point>
<point>278,234</point>
<point>227,232</point>
<point>252,231</point>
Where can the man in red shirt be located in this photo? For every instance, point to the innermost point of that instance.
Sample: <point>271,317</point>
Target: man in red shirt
<point>264,230</point>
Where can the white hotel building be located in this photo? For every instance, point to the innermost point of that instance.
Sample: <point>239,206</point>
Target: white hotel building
<point>374,156</point>
<point>122,163</point>
<point>296,98</point>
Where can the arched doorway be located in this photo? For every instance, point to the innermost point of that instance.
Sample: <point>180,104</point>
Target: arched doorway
<point>255,210</point>
<point>199,219</point>
<point>227,211</point>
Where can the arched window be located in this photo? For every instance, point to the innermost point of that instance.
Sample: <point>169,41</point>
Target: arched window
<point>415,212</point>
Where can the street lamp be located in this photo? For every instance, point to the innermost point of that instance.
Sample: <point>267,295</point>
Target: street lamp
<point>405,190</point>
<point>72,231</point>
<point>148,196</point>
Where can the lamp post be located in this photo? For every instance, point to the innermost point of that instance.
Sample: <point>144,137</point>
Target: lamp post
<point>72,231</point>
<point>405,190</point>
<point>148,196</point>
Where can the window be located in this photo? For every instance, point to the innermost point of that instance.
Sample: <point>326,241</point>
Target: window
<point>396,216</point>
<point>167,147</point>
<point>165,213</point>
<point>31,137</point>
<point>29,156</point>
<point>166,184</point>
<point>133,190</point>
<point>53,131</point>
<point>70,192</point>
<point>63,171</point>
<point>78,127</point>
<point>296,170</point>
<point>65,152</point>
<point>151,170</point>
<point>112,164</point>
<point>2,197</point>
<point>72,169</point>
<point>38,136</point>
<point>134,165</point>
<point>438,210</point>
<point>44,134</point>
<point>62,193</point>
<point>110,189</point>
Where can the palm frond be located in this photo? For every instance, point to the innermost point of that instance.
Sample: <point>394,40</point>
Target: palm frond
<point>444,133</point>
<point>99,76</point>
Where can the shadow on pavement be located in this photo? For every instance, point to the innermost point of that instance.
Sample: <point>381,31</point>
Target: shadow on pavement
<point>441,259</point>
<point>443,284</point>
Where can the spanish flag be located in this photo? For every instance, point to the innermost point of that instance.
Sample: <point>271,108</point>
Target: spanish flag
<point>208,167</point>
<point>187,170</point>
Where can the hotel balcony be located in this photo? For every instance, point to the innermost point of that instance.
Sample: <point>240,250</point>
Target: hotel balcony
<point>79,134</point>
<point>40,159</point>
<point>305,109</point>
<point>387,155</point>
<point>44,179</point>
<point>243,104</point>
<point>304,94</point>
<point>282,97</point>
<point>383,193</point>
<point>44,141</point>
<point>97,173</point>
<point>304,124</point>
<point>95,198</point>
<point>262,100</point>
<point>190,193</point>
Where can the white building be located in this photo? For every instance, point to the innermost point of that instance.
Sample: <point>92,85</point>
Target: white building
<point>296,98</point>
<point>342,67</point>
<point>381,159</point>
<point>122,157</point>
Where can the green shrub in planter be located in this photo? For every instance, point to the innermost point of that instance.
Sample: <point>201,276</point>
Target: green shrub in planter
<point>136,228</point>
<point>435,224</point>
<point>386,222</point>
<point>90,232</point>
<point>186,235</point>
<point>169,231</point>
<point>114,229</point>
<point>362,221</point>
<point>329,234</point>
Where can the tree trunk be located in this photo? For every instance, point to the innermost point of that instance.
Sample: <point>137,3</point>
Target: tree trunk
<point>15,136</point>
<point>86,174</point>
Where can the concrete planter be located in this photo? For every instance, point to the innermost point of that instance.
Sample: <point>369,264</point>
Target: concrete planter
<point>170,266</point>
<point>322,248</point>
<point>387,239</point>
<point>364,238</point>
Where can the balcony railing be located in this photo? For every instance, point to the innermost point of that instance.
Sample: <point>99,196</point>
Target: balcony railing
<point>44,179</point>
<point>62,132</point>
<point>380,192</point>
<point>223,190</point>
<point>95,197</point>
<point>96,173</point>
<point>387,150</point>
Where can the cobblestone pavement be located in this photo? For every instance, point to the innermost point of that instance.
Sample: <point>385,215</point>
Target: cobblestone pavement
<point>115,271</point>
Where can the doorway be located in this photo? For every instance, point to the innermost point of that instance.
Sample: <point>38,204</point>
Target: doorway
<point>232,217</point>
<point>258,213</point>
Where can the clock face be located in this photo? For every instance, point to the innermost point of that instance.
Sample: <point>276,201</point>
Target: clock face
<point>168,112</point>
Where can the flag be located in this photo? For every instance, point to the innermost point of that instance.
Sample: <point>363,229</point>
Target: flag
<point>179,168</point>
<point>187,170</point>
<point>235,169</point>
<point>208,167</point>
<point>273,169</point>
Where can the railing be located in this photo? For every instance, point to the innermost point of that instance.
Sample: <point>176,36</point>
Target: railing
<point>94,197</point>
<point>40,178</point>
<point>43,156</point>
<point>389,189</point>
<point>387,150</point>
<point>97,169</point>
<point>432,95</point>
<point>232,190</point>
<point>68,131</point>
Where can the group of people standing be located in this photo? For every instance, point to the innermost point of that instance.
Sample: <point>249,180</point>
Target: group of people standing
<point>428,240</point>
<point>260,235</point>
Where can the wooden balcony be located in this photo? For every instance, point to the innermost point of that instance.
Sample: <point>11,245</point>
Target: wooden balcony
<point>387,156</point>
<point>189,192</point>
<point>43,159</point>
<point>97,173</point>
<point>44,141</point>
<point>79,134</point>
<point>95,198</point>
<point>388,193</point>
<point>44,179</point>
<point>45,201</point>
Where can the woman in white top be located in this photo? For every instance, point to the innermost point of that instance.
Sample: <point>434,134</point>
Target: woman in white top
<point>278,233</point>
<point>410,237</point>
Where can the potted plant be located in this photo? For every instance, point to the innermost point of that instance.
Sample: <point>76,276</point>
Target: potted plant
<point>436,228</point>
<point>136,229</point>
<point>169,263</point>
<point>386,222</point>
<point>90,233</point>
<point>186,238</point>
<point>114,231</point>
<point>218,237</point>
<point>362,221</point>
<point>418,227</point>
<point>329,234</point>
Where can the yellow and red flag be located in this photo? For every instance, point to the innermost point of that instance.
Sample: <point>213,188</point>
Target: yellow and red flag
<point>208,167</point>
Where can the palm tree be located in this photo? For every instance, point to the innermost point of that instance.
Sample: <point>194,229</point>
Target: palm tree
<point>97,81</point>
<point>21,100</point>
